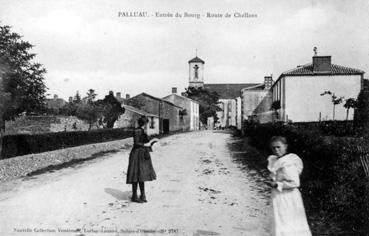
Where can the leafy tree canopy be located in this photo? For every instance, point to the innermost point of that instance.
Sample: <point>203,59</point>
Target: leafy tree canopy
<point>111,110</point>
<point>208,102</point>
<point>24,80</point>
<point>361,115</point>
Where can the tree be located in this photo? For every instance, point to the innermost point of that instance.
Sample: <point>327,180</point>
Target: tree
<point>25,78</point>
<point>88,112</point>
<point>111,109</point>
<point>208,102</point>
<point>91,95</point>
<point>349,103</point>
<point>77,98</point>
<point>361,115</point>
<point>22,87</point>
<point>4,100</point>
<point>335,100</point>
<point>70,109</point>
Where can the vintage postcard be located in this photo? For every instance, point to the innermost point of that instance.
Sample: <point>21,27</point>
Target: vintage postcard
<point>85,85</point>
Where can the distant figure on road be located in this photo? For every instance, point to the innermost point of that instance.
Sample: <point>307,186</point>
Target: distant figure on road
<point>288,208</point>
<point>140,167</point>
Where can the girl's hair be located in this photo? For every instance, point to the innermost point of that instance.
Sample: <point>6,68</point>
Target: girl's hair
<point>281,139</point>
<point>141,121</point>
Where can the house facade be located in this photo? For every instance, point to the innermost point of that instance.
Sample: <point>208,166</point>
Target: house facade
<point>230,103</point>
<point>190,118</point>
<point>299,95</point>
<point>55,103</point>
<point>168,113</point>
<point>130,118</point>
<point>256,103</point>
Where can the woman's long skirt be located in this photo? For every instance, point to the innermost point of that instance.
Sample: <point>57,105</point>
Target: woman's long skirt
<point>140,168</point>
<point>289,218</point>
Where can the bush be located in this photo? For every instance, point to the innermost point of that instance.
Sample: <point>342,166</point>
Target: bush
<point>333,180</point>
<point>22,144</point>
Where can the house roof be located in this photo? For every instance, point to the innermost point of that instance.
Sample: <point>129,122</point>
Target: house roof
<point>335,70</point>
<point>158,99</point>
<point>183,97</point>
<point>228,91</point>
<point>256,87</point>
<point>196,59</point>
<point>138,111</point>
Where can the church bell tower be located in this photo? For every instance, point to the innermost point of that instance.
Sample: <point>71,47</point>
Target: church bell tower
<point>196,72</point>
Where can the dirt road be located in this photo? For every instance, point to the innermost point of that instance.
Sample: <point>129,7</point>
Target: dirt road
<point>200,190</point>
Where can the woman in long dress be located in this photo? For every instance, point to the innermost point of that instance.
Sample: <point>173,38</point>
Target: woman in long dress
<point>140,168</point>
<point>289,218</point>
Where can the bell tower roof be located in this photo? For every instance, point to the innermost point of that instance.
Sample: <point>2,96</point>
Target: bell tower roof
<point>196,59</point>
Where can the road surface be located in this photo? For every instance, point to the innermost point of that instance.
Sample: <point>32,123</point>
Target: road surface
<point>200,190</point>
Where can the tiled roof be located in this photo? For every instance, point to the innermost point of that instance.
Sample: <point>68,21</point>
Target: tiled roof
<point>256,87</point>
<point>335,70</point>
<point>196,59</point>
<point>228,91</point>
<point>138,111</point>
<point>179,96</point>
<point>158,99</point>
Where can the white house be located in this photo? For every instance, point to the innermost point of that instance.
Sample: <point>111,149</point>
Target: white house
<point>297,93</point>
<point>191,119</point>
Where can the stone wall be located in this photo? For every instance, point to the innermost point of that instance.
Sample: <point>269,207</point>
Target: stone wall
<point>44,124</point>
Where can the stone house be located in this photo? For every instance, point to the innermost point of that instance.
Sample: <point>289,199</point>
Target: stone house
<point>55,103</point>
<point>130,117</point>
<point>256,100</point>
<point>190,119</point>
<point>168,113</point>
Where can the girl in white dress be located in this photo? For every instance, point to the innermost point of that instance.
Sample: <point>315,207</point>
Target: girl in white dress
<point>289,218</point>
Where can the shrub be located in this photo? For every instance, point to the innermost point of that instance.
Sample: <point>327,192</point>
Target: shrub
<point>22,144</point>
<point>333,180</point>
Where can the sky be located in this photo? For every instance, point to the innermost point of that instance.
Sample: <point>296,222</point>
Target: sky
<point>85,44</point>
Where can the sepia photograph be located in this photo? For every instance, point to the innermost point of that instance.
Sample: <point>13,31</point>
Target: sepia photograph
<point>162,117</point>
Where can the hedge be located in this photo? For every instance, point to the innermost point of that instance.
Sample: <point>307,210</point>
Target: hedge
<point>333,181</point>
<point>22,144</point>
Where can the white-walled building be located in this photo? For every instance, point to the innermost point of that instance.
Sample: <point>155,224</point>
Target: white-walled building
<point>191,120</point>
<point>196,72</point>
<point>298,91</point>
<point>239,113</point>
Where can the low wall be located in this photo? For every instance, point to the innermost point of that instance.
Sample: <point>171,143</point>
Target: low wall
<point>22,165</point>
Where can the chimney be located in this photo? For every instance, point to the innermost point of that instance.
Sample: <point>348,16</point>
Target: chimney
<point>174,90</point>
<point>119,95</point>
<point>127,96</point>
<point>70,99</point>
<point>321,64</point>
<point>268,82</point>
<point>55,96</point>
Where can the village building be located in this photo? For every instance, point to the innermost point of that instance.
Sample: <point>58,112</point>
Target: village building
<point>190,115</point>
<point>55,103</point>
<point>120,99</point>
<point>229,95</point>
<point>257,99</point>
<point>130,118</point>
<point>304,94</point>
<point>169,114</point>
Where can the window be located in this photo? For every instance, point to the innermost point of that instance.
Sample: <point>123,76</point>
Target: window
<point>152,123</point>
<point>196,67</point>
